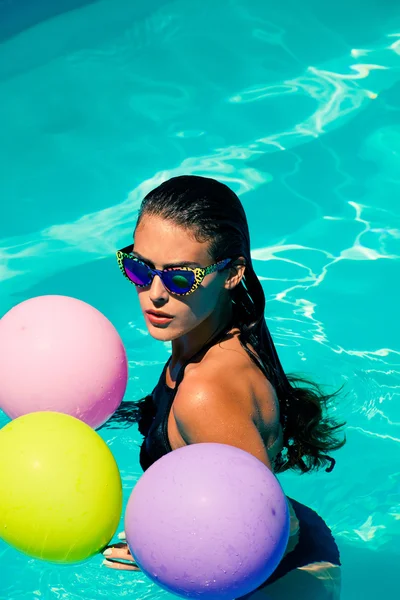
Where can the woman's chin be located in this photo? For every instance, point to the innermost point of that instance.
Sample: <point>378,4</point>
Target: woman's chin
<point>161,332</point>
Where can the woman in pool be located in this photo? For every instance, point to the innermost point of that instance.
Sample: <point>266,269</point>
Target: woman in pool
<point>224,383</point>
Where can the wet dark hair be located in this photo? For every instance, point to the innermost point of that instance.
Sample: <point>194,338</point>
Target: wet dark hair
<point>214,213</point>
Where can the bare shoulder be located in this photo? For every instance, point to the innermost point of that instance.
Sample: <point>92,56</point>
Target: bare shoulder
<point>204,389</point>
<point>225,398</point>
<point>227,378</point>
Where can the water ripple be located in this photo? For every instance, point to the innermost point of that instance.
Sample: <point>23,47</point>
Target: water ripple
<point>306,133</point>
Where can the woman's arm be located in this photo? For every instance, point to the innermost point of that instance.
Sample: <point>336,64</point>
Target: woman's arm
<point>210,411</point>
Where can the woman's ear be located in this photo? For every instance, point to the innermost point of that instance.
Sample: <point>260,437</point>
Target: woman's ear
<point>236,272</point>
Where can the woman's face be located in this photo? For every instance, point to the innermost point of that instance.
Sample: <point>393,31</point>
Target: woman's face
<point>159,242</point>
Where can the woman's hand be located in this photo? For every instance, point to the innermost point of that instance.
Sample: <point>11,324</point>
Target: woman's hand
<point>118,556</point>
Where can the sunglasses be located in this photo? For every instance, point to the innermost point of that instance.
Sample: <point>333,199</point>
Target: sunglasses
<point>177,280</point>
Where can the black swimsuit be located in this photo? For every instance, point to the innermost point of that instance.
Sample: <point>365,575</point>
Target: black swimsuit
<point>316,543</point>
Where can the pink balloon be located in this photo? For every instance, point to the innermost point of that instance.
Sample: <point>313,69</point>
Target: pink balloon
<point>60,354</point>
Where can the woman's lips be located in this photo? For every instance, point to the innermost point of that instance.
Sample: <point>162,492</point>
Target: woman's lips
<point>159,313</point>
<point>158,319</point>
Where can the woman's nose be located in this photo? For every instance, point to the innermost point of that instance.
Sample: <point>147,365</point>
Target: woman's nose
<point>157,290</point>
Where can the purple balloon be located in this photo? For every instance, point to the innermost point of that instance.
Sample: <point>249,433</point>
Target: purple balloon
<point>208,520</point>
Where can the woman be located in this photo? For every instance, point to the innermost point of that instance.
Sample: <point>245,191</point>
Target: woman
<point>224,383</point>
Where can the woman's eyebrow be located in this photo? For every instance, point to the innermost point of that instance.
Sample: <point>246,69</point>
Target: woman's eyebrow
<point>183,263</point>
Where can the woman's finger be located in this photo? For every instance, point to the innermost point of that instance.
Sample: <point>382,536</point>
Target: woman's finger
<point>120,551</point>
<point>119,566</point>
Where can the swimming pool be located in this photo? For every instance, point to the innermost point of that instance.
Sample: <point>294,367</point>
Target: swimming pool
<point>298,109</point>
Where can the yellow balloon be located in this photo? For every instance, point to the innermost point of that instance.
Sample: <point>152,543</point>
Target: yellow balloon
<point>60,488</point>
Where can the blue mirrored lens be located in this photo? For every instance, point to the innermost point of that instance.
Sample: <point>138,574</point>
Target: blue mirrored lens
<point>178,282</point>
<point>137,272</point>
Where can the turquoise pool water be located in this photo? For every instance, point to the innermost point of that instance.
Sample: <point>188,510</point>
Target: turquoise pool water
<point>298,109</point>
